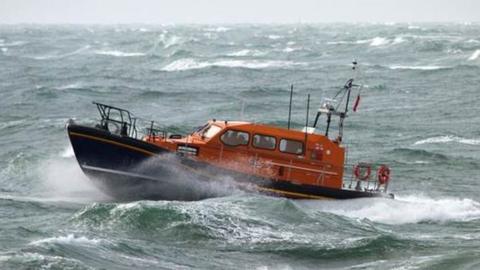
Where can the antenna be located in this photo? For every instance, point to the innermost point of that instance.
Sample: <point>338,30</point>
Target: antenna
<point>306,121</point>
<point>290,106</point>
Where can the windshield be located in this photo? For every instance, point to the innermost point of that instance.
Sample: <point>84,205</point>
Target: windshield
<point>211,131</point>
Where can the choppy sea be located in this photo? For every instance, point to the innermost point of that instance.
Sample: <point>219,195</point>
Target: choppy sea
<point>418,113</point>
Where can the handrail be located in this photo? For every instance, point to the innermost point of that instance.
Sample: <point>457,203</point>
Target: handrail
<point>371,183</point>
<point>128,122</point>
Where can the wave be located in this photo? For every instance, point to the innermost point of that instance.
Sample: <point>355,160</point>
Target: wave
<point>373,42</point>
<point>12,44</point>
<point>413,27</point>
<point>473,41</point>
<point>69,86</point>
<point>31,260</point>
<point>448,139</point>
<point>120,54</point>
<point>379,41</point>
<point>69,239</point>
<point>475,55</point>
<point>59,56</point>
<point>274,37</point>
<point>419,153</point>
<point>168,40</point>
<point>189,63</point>
<point>219,29</point>
<point>247,52</point>
<point>418,67</point>
<point>408,209</point>
<point>290,49</point>
<point>398,40</point>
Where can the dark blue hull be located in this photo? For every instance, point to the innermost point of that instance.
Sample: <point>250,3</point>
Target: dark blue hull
<point>130,169</point>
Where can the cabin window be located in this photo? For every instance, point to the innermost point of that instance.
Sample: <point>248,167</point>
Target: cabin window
<point>235,137</point>
<point>291,146</point>
<point>265,142</point>
<point>211,131</point>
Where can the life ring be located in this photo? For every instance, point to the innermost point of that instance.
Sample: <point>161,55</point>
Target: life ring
<point>383,174</point>
<point>357,171</point>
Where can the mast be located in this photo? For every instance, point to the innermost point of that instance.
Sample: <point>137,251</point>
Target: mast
<point>290,106</point>
<point>306,122</point>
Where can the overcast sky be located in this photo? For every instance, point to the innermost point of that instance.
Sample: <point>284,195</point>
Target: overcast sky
<point>236,11</point>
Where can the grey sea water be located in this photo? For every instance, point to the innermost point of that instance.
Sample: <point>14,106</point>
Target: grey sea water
<point>418,113</point>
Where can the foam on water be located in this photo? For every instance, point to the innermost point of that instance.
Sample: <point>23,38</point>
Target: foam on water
<point>407,209</point>
<point>219,29</point>
<point>169,40</point>
<point>69,239</point>
<point>274,37</point>
<point>247,52</point>
<point>379,41</point>
<point>475,55</point>
<point>417,67</point>
<point>119,53</point>
<point>189,63</point>
<point>59,56</point>
<point>448,139</point>
<point>69,86</point>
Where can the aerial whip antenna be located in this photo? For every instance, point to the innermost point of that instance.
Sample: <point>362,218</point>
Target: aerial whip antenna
<point>290,106</point>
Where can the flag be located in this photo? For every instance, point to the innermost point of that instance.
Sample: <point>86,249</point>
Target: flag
<point>357,101</point>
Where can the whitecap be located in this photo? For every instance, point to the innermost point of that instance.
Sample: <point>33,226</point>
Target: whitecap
<point>218,29</point>
<point>170,41</point>
<point>246,52</point>
<point>379,41</point>
<point>417,67</point>
<point>119,53</point>
<point>475,55</point>
<point>69,239</point>
<point>448,139</point>
<point>398,40</point>
<point>473,41</point>
<point>188,64</point>
<point>184,64</point>
<point>409,209</point>
<point>454,51</point>
<point>4,50</point>
<point>413,27</point>
<point>363,41</point>
<point>290,49</point>
<point>274,37</point>
<point>13,44</point>
<point>58,56</point>
<point>69,86</point>
<point>341,42</point>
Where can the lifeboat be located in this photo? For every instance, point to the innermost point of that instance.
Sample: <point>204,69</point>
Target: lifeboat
<point>127,162</point>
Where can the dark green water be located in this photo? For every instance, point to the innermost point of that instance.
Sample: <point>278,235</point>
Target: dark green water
<point>419,113</point>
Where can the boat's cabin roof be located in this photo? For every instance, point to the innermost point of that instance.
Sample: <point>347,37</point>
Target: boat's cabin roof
<point>261,136</point>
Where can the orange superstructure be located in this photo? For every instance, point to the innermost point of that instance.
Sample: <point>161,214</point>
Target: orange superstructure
<point>265,151</point>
